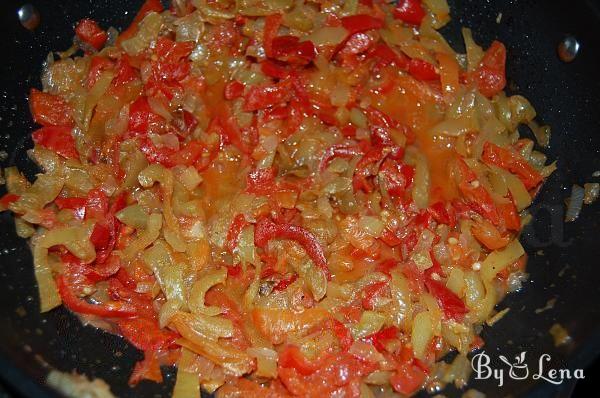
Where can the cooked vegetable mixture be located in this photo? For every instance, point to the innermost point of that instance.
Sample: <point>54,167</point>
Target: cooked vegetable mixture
<point>281,197</point>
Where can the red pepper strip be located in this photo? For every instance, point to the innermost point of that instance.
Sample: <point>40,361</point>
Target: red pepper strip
<point>477,197</point>
<point>291,50</point>
<point>262,97</point>
<point>267,230</point>
<point>398,177</point>
<point>370,293</point>
<point>490,76</point>
<point>261,181</point>
<point>145,334</point>
<point>452,305</point>
<point>386,56</point>
<point>236,227</point>
<point>233,90</point>
<point>74,303</point>
<point>49,109</point>
<point>513,162</point>
<point>422,70</point>
<point>378,339</point>
<point>292,357</point>
<point>343,334</point>
<point>148,7</point>
<point>58,139</point>
<point>273,69</point>
<point>359,180</point>
<point>284,283</point>
<point>272,23</point>
<point>231,132</point>
<point>7,199</point>
<point>89,32</point>
<point>343,151</point>
<point>360,23</point>
<point>409,11</point>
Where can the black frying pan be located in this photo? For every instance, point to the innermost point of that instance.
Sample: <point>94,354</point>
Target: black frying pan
<point>565,95</point>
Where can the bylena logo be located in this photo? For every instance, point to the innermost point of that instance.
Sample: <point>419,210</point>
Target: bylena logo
<point>519,370</point>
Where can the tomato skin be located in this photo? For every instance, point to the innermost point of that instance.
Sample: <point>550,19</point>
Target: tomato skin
<point>88,31</point>
<point>360,23</point>
<point>409,11</point>
<point>266,230</point>
<point>74,303</point>
<point>490,76</point>
<point>49,109</point>
<point>513,162</point>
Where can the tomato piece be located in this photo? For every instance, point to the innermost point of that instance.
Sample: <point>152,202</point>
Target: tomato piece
<point>292,357</point>
<point>265,96</point>
<point>141,116</point>
<point>146,369</point>
<point>186,156</point>
<point>360,23</point>
<point>125,72</point>
<point>233,90</point>
<point>267,230</point>
<point>276,324</point>
<point>108,310</point>
<point>49,109</point>
<point>490,76</point>
<point>422,70</point>
<point>397,177</point>
<point>451,304</point>
<point>338,375</point>
<point>513,162</point>
<point>145,334</point>
<point>88,31</point>
<point>261,181</point>
<point>58,139</point>
<point>407,379</point>
<point>409,11</point>
<point>170,51</point>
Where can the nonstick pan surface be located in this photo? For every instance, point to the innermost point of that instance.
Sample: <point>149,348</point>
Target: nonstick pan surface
<point>565,96</point>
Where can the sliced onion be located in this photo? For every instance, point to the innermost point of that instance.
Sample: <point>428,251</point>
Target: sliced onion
<point>575,203</point>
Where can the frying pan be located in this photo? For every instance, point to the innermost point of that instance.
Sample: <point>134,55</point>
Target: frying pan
<point>565,95</point>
